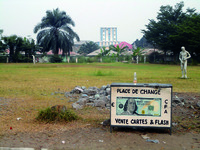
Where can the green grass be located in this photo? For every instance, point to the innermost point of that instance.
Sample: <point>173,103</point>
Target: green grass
<point>28,80</point>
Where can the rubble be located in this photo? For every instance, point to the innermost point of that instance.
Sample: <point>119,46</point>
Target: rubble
<point>100,98</point>
<point>93,96</point>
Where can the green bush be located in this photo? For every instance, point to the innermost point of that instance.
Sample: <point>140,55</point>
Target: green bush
<point>92,59</point>
<point>72,59</point>
<point>194,62</point>
<point>49,115</point>
<point>82,59</point>
<point>108,59</point>
<point>55,59</point>
<point>128,58</point>
<point>3,59</point>
<point>22,59</point>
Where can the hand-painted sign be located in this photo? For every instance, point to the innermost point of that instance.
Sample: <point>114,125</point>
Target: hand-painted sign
<point>142,105</point>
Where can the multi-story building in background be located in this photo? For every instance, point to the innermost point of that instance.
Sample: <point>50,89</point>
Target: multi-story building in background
<point>108,36</point>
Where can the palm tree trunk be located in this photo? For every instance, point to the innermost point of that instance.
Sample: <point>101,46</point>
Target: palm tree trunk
<point>11,53</point>
<point>57,48</point>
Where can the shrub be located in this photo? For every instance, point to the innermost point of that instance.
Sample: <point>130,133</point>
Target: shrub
<point>22,59</point>
<point>108,59</point>
<point>128,58</point>
<point>92,59</point>
<point>56,59</point>
<point>3,59</point>
<point>72,59</point>
<point>82,59</point>
<point>194,62</point>
<point>49,115</point>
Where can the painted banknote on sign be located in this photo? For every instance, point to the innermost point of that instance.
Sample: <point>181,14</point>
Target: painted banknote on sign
<point>138,106</point>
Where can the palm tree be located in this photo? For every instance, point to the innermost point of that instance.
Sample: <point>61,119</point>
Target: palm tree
<point>1,31</point>
<point>29,47</point>
<point>12,42</point>
<point>104,52</point>
<point>55,32</point>
<point>137,52</point>
<point>16,45</point>
<point>118,50</point>
<point>2,45</point>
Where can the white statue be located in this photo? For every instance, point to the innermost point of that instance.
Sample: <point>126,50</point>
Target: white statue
<point>183,56</point>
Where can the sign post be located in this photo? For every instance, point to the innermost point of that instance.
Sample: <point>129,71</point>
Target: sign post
<point>141,105</point>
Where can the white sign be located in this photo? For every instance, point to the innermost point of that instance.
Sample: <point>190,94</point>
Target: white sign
<point>139,105</point>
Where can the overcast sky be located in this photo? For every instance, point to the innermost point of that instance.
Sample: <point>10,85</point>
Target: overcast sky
<point>129,16</point>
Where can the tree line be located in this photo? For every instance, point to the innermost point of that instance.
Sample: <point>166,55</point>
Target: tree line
<point>54,32</point>
<point>18,45</point>
<point>172,29</point>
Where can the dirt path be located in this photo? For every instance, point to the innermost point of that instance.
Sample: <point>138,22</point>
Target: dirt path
<point>101,138</point>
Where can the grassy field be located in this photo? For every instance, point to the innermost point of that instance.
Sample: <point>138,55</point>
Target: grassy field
<point>29,87</point>
<point>30,81</point>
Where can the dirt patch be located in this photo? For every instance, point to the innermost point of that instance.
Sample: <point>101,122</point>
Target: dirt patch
<point>185,133</point>
<point>101,138</point>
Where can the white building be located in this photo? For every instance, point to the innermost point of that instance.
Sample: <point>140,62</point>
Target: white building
<point>108,36</point>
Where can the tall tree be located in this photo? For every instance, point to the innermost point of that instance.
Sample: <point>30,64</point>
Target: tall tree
<point>2,45</point>
<point>88,47</point>
<point>188,34</point>
<point>142,43</point>
<point>29,47</point>
<point>161,33</point>
<point>55,32</point>
<point>16,45</point>
<point>1,32</point>
<point>11,43</point>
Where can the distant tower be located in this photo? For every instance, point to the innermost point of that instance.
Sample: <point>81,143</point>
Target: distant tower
<point>108,36</point>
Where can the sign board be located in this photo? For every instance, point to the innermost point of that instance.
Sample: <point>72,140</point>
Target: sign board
<point>141,105</point>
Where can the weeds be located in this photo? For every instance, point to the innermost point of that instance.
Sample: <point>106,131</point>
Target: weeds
<point>49,115</point>
<point>185,123</point>
<point>101,73</point>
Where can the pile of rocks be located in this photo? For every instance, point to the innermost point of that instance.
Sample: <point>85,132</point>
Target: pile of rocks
<point>186,101</point>
<point>92,96</point>
<point>100,97</point>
